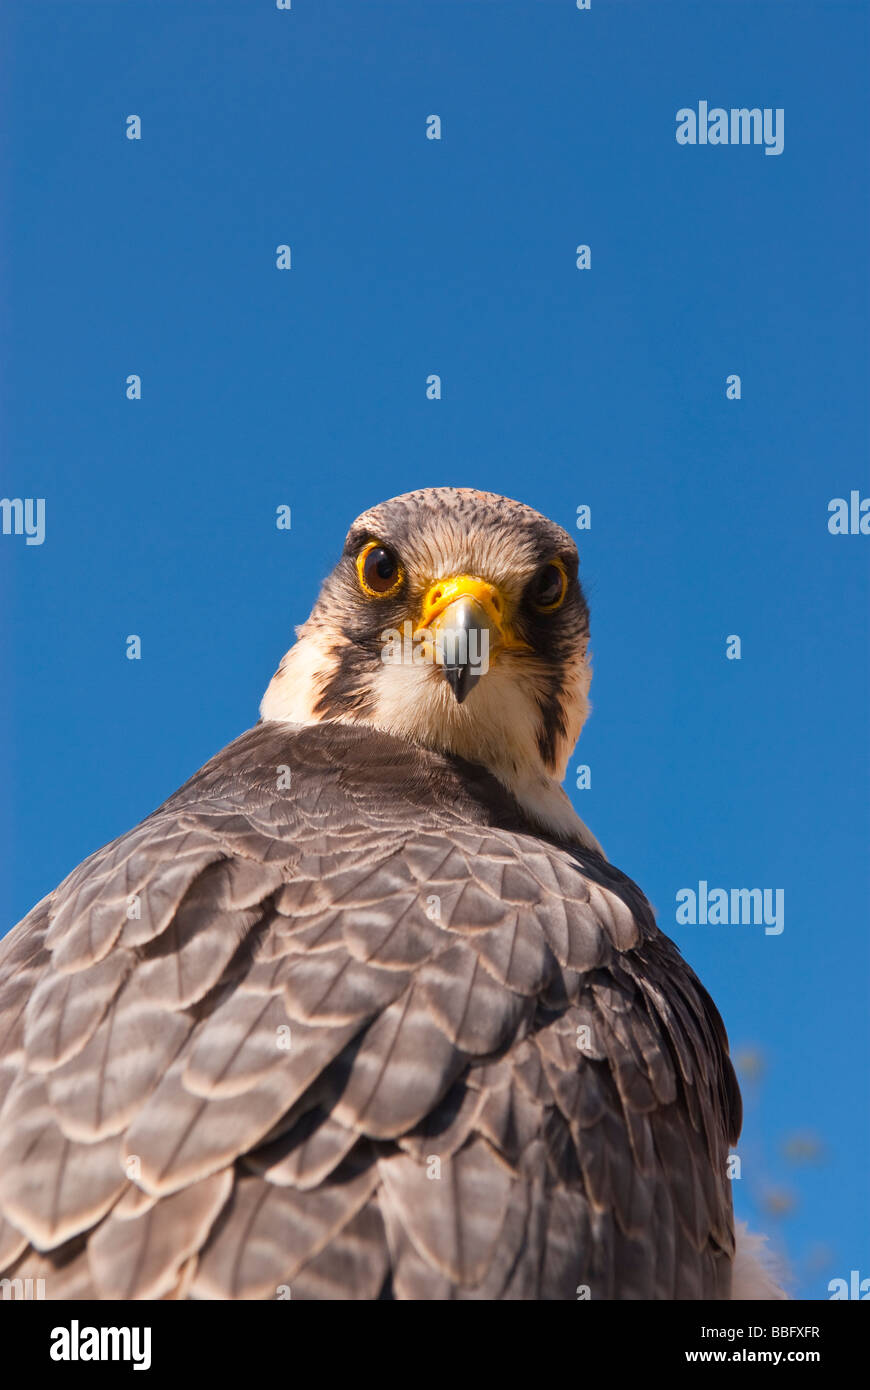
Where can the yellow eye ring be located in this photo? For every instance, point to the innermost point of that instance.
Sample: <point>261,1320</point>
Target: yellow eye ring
<point>544,583</point>
<point>378,570</point>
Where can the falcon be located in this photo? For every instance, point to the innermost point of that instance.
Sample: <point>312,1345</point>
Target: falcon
<point>363,1011</point>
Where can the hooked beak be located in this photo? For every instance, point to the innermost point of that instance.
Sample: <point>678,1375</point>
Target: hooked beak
<point>465,618</point>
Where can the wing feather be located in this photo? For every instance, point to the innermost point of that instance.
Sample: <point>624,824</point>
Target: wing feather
<point>371,1037</point>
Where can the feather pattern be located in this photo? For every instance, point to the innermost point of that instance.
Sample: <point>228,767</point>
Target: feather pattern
<point>372,1036</point>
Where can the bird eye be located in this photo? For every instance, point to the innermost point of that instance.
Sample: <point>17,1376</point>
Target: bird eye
<point>379,571</point>
<point>549,587</point>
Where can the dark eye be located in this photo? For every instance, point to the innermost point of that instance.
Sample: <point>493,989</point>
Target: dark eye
<point>379,570</point>
<point>549,586</point>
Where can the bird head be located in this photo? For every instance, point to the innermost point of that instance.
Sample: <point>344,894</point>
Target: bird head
<point>454,619</point>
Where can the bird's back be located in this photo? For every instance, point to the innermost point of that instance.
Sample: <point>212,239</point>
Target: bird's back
<point>336,1022</point>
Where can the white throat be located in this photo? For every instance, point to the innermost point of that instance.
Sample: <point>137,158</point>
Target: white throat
<point>414,702</point>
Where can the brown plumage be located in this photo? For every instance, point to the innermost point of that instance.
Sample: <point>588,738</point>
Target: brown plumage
<point>376,1033</point>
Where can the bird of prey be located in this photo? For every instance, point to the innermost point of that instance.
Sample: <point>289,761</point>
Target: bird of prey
<point>363,1010</point>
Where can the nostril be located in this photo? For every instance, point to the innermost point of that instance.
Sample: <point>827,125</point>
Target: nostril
<point>436,595</point>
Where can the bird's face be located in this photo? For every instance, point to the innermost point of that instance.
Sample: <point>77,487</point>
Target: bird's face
<point>454,618</point>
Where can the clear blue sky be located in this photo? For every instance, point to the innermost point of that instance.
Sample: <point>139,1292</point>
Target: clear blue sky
<point>560,387</point>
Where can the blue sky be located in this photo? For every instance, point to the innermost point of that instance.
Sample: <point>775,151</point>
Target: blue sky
<point>561,387</point>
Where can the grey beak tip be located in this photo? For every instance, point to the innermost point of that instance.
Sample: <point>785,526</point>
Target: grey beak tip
<point>462,680</point>
<point>464,643</point>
